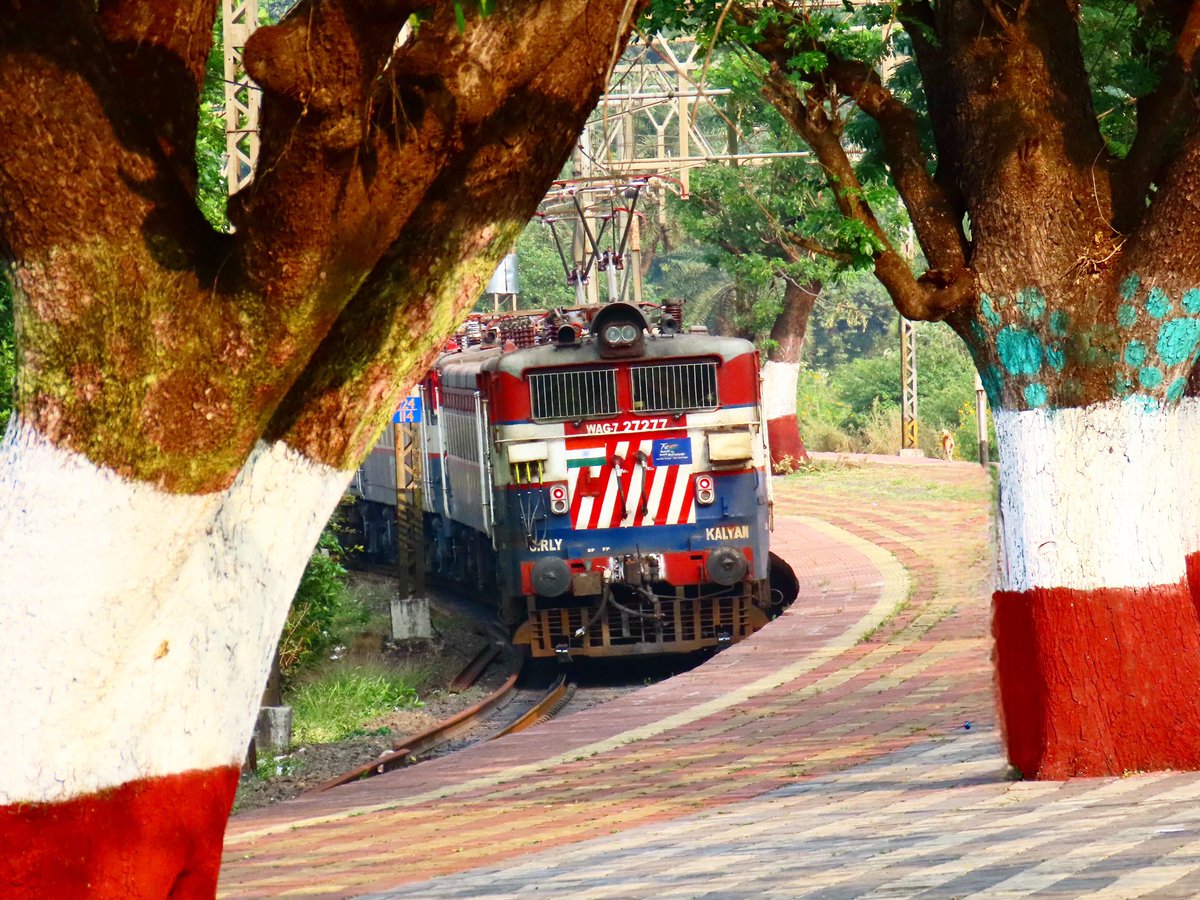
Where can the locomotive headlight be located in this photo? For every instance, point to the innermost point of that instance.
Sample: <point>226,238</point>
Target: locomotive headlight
<point>613,335</point>
<point>559,502</point>
<point>629,334</point>
<point>705,490</point>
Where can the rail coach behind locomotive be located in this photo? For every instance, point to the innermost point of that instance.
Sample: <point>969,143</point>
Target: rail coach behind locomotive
<point>609,488</point>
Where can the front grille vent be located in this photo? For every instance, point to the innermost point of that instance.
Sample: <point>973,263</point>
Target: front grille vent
<point>573,393</point>
<point>677,387</point>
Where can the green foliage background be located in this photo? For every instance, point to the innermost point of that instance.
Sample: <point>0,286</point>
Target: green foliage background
<point>323,614</point>
<point>854,406</point>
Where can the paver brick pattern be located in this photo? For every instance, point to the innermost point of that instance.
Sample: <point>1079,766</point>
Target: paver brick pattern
<point>909,567</point>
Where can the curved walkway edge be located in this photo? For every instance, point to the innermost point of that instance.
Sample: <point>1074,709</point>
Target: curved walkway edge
<point>886,648</point>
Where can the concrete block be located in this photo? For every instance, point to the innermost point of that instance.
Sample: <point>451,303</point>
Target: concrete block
<point>273,731</point>
<point>410,619</point>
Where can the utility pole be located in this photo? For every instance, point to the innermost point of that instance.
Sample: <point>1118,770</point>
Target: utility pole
<point>908,370</point>
<point>981,427</point>
<point>908,378</point>
<point>410,608</point>
<point>239,18</point>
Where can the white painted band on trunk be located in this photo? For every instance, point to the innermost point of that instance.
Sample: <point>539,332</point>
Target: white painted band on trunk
<point>137,626</point>
<point>779,389</point>
<point>1098,497</point>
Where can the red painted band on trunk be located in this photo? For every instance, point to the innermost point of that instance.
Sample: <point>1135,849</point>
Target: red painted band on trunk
<point>1098,682</point>
<point>159,837</point>
<point>784,434</point>
<point>1192,563</point>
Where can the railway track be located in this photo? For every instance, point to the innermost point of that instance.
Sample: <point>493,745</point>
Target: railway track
<point>493,716</point>
<point>543,705</point>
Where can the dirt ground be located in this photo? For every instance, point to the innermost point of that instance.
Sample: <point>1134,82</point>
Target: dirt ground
<point>455,641</point>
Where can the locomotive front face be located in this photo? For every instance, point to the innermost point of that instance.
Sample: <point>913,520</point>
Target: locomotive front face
<point>632,496</point>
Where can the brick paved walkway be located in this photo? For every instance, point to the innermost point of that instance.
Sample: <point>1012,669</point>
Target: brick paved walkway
<point>828,755</point>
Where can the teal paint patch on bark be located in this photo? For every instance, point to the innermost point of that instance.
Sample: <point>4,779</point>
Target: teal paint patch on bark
<point>1032,303</point>
<point>1191,300</point>
<point>1175,391</point>
<point>1035,395</point>
<point>1129,287</point>
<point>1055,358</point>
<point>1058,323</point>
<point>1123,386</point>
<point>993,384</point>
<point>978,333</point>
<point>1020,350</point>
<point>1177,340</point>
<point>1126,315</point>
<point>988,310</point>
<point>1158,304</point>
<point>1150,377</point>
<point>1136,353</point>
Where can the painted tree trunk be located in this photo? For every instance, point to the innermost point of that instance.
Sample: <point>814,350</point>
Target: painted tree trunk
<point>781,373</point>
<point>157,615</point>
<point>191,403</point>
<point>1097,635</point>
<point>780,380</point>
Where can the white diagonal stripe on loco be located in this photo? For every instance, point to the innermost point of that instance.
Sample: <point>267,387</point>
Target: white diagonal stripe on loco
<point>163,623</point>
<point>1103,496</point>
<point>682,486</point>
<point>658,478</point>
<point>639,481</point>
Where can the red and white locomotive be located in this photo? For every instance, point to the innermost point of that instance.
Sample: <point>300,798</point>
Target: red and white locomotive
<point>609,488</point>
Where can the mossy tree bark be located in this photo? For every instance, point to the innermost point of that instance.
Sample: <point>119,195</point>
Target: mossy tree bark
<point>1073,276</point>
<point>191,404</point>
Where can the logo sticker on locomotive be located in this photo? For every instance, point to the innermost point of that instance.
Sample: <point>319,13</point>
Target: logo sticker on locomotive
<point>727,533</point>
<point>545,544</point>
<point>672,452</point>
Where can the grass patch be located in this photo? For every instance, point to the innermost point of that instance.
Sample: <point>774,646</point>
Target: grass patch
<point>905,483</point>
<point>334,703</point>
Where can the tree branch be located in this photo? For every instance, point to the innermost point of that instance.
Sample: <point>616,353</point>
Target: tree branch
<point>801,242</point>
<point>467,218</point>
<point>1164,248</point>
<point>938,85</point>
<point>932,297</point>
<point>353,136</point>
<point>160,49</point>
<point>938,222</point>
<point>1158,114</point>
<point>936,219</point>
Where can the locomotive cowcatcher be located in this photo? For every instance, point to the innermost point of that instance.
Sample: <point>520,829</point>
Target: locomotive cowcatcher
<point>608,490</point>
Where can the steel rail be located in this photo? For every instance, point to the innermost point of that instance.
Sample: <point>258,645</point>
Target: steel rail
<point>428,739</point>
<point>470,674</point>
<point>556,698</point>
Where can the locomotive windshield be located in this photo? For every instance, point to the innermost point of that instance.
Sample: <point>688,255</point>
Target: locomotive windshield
<point>573,394</point>
<point>676,387</point>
